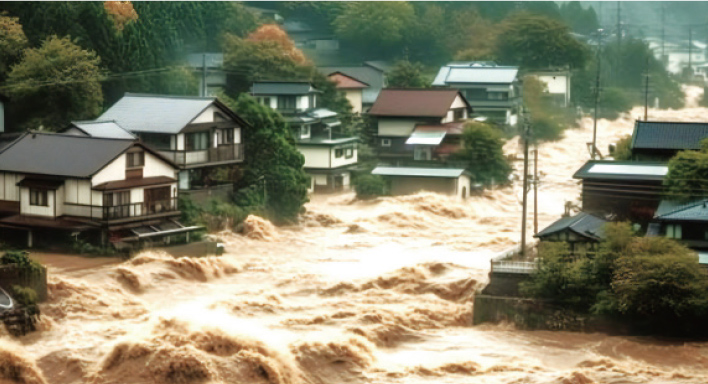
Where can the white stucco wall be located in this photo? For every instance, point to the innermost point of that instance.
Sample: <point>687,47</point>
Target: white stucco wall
<point>115,170</point>
<point>556,84</point>
<point>207,116</point>
<point>315,157</point>
<point>458,103</point>
<point>27,209</point>
<point>8,186</point>
<point>342,161</point>
<point>396,127</point>
<point>355,99</point>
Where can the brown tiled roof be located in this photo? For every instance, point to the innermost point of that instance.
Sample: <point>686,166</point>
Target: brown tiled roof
<point>434,102</point>
<point>131,183</point>
<point>347,82</point>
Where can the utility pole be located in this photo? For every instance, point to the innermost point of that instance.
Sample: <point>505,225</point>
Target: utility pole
<point>535,190</point>
<point>204,76</point>
<point>646,93</point>
<point>525,137</point>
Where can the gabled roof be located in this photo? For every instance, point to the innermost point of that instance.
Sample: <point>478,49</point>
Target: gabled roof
<point>61,155</point>
<point>583,224</point>
<point>672,135</point>
<point>428,102</point>
<point>622,170</point>
<point>456,74</point>
<point>346,82</point>
<point>161,113</point>
<point>696,210</point>
<point>282,88</point>
<point>445,173</point>
<point>103,129</point>
<point>367,74</point>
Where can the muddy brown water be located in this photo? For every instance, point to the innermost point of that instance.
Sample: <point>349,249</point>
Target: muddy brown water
<point>360,292</point>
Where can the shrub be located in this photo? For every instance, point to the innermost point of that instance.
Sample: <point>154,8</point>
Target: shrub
<point>20,259</point>
<point>370,186</point>
<point>623,150</point>
<point>25,296</point>
<point>483,154</point>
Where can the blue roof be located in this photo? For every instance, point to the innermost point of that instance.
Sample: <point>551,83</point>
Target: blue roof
<point>696,210</point>
<point>672,135</point>
<point>584,224</point>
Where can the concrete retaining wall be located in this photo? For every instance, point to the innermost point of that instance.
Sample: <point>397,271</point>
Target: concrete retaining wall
<point>11,275</point>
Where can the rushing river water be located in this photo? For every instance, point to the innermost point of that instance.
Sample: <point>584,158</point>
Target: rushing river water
<point>360,292</point>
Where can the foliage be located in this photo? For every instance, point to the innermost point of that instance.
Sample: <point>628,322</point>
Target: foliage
<point>548,120</point>
<point>533,41</point>
<point>370,186</point>
<point>121,12</point>
<point>687,178</point>
<point>613,102</point>
<point>59,82</point>
<point>580,20</point>
<point>21,259</point>
<point>471,37</point>
<point>374,27</point>
<point>407,75</point>
<point>26,296</point>
<point>275,34</point>
<point>483,154</point>
<point>623,149</point>
<point>274,163</point>
<point>12,42</point>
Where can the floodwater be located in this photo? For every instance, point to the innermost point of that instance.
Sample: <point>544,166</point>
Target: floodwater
<point>360,292</point>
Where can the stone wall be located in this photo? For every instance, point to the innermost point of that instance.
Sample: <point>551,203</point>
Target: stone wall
<point>11,275</point>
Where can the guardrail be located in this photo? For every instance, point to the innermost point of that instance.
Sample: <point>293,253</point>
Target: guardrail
<point>500,264</point>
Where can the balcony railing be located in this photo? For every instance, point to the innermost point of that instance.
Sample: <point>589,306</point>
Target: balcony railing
<point>124,211</point>
<point>230,152</point>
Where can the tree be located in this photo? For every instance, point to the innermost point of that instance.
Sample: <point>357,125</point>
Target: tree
<point>538,42</point>
<point>12,42</point>
<point>548,120</point>
<point>407,75</point>
<point>57,82</point>
<point>623,149</point>
<point>275,34</point>
<point>580,20</point>
<point>374,28</point>
<point>273,167</point>
<point>687,178</point>
<point>369,186</point>
<point>483,154</point>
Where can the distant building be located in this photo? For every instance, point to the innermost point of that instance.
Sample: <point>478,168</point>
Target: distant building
<point>662,140</point>
<point>353,89</point>
<point>329,155</point>
<point>214,74</point>
<point>410,180</point>
<point>108,129</point>
<point>557,83</point>
<point>683,221</point>
<point>371,74</point>
<point>492,90</point>
<point>582,232</point>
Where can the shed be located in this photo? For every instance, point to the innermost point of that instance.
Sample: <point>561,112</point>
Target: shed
<point>410,180</point>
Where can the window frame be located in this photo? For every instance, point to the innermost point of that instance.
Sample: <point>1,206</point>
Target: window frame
<point>188,144</point>
<point>285,101</point>
<point>130,158</point>
<point>305,131</point>
<point>348,152</point>
<point>338,153</point>
<point>39,197</point>
<point>386,143</point>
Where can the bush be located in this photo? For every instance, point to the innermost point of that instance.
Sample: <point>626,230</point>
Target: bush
<point>623,150</point>
<point>370,186</point>
<point>25,296</point>
<point>21,259</point>
<point>483,154</point>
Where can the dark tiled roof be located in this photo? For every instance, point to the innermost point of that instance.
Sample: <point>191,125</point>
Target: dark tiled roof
<point>282,88</point>
<point>414,102</point>
<point>584,224</point>
<point>60,155</point>
<point>622,170</point>
<point>683,211</point>
<point>668,135</point>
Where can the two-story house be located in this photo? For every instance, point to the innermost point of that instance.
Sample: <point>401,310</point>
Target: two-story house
<point>493,91</point>
<point>353,89</point>
<point>329,155</point>
<point>198,134</point>
<point>118,188</point>
<point>419,124</point>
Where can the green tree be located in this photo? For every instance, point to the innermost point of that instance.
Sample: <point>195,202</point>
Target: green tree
<point>548,120</point>
<point>538,42</point>
<point>580,20</point>
<point>687,178</point>
<point>623,149</point>
<point>407,75</point>
<point>370,186</point>
<point>483,154</point>
<point>57,82</point>
<point>273,174</point>
<point>375,28</point>
<point>12,42</point>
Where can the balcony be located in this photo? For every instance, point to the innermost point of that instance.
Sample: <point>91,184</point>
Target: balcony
<point>220,154</point>
<point>123,212</point>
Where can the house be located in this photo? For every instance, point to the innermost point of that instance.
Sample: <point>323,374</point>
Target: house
<point>419,124</point>
<point>557,85</point>
<point>370,73</point>
<point>121,189</point>
<point>198,134</point>
<point>330,156</point>
<point>582,232</point>
<point>622,189</point>
<point>493,91</point>
<point>410,180</point>
<point>662,140</point>
<point>208,66</point>
<point>684,221</point>
<point>353,89</point>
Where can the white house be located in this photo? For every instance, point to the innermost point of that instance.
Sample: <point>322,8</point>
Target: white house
<point>119,188</point>
<point>557,85</point>
<point>353,89</point>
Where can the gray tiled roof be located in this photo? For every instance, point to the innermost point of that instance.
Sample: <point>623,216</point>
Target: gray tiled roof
<point>668,135</point>
<point>282,88</point>
<point>103,129</point>
<point>60,155</point>
<point>683,211</point>
<point>156,113</point>
<point>583,224</point>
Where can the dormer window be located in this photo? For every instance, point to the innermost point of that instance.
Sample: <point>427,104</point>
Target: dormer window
<point>135,159</point>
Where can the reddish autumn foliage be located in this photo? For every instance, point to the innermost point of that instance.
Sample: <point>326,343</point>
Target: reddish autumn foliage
<point>274,33</point>
<point>122,12</point>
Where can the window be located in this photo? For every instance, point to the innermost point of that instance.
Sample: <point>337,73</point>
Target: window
<point>114,199</point>
<point>265,101</point>
<point>226,136</point>
<point>135,159</point>
<point>459,114</point>
<point>476,94</point>
<point>498,96</point>
<point>38,197</point>
<point>385,142</point>
<point>286,102</point>
<point>339,152</point>
<point>304,131</point>
<point>673,231</point>
<point>197,141</point>
<point>349,153</point>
